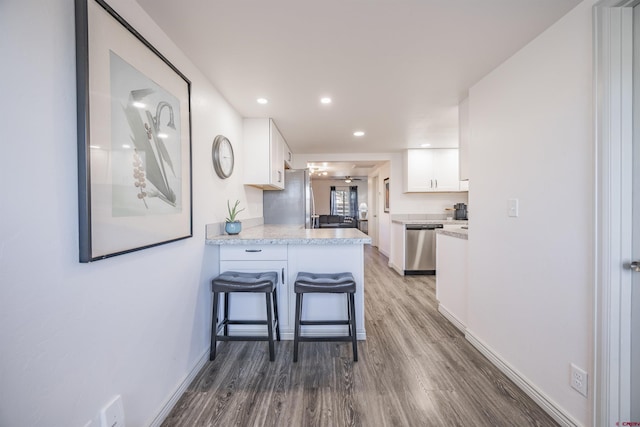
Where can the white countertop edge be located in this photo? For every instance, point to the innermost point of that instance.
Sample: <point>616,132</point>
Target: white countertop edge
<point>431,221</point>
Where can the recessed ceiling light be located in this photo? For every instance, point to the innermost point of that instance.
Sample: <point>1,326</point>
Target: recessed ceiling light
<point>358,133</point>
<point>325,100</point>
<point>262,101</point>
<point>163,135</point>
<point>425,145</point>
<point>139,104</point>
<point>325,173</point>
<point>126,146</point>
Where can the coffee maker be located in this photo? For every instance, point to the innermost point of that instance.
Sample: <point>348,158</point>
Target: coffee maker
<point>461,211</point>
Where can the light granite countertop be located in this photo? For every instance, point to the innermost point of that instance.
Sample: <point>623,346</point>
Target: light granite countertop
<point>431,221</point>
<point>291,235</point>
<point>460,233</point>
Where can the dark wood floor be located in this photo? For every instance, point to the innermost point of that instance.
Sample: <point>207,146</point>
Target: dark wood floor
<point>414,369</point>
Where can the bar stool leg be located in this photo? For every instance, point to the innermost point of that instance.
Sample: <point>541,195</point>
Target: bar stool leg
<point>226,313</point>
<point>352,325</point>
<point>349,312</point>
<point>272,351</point>
<point>275,311</point>
<point>296,335</point>
<point>214,327</point>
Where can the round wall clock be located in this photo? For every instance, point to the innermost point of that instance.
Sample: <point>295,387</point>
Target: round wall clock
<point>222,155</point>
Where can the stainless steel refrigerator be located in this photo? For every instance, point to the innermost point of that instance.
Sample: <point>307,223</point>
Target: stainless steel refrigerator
<point>294,204</point>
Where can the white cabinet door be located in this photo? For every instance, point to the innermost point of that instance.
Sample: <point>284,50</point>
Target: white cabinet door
<point>264,154</point>
<point>431,170</point>
<point>418,171</point>
<point>445,170</point>
<point>277,157</point>
<point>288,156</point>
<point>252,306</point>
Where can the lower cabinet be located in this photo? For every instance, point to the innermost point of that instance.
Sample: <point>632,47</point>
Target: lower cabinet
<point>451,280</point>
<point>287,260</point>
<point>253,259</point>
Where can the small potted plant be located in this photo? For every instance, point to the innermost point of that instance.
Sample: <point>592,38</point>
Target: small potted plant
<point>233,226</point>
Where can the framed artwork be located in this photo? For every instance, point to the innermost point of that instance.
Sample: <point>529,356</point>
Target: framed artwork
<point>386,195</point>
<point>134,139</point>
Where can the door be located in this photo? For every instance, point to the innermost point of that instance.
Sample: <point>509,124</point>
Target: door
<point>373,210</point>
<point>635,281</point>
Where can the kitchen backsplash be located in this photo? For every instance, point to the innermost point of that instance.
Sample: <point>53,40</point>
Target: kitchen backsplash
<point>217,228</point>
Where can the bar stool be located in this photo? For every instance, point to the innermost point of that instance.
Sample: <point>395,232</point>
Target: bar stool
<point>233,281</point>
<point>334,283</point>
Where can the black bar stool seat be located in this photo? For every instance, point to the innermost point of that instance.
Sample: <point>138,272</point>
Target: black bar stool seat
<point>334,283</point>
<point>234,281</point>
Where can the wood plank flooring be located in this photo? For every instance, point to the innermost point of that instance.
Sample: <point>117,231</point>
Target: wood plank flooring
<point>414,369</point>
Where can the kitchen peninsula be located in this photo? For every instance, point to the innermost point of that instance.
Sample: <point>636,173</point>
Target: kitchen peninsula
<point>289,250</point>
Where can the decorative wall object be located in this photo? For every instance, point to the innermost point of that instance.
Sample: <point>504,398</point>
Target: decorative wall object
<point>134,138</point>
<point>386,195</point>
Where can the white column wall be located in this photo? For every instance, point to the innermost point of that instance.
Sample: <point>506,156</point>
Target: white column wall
<point>531,278</point>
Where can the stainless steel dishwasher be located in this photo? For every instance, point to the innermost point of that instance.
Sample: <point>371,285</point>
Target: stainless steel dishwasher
<point>420,248</point>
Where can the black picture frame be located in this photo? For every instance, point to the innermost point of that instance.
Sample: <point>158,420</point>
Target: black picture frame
<point>134,139</point>
<point>386,195</point>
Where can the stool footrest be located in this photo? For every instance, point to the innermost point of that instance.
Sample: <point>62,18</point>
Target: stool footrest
<point>245,322</point>
<point>346,338</point>
<point>324,322</point>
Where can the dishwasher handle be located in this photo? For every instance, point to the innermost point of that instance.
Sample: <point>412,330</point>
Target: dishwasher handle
<point>424,226</point>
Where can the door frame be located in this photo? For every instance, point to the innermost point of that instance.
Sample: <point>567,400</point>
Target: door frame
<point>613,60</point>
<point>374,207</point>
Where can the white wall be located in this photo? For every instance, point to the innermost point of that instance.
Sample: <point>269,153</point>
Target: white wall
<point>531,277</point>
<point>74,335</point>
<point>322,189</point>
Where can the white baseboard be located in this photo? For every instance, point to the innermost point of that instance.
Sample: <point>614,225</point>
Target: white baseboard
<point>396,268</point>
<point>451,318</point>
<point>548,405</point>
<point>173,399</point>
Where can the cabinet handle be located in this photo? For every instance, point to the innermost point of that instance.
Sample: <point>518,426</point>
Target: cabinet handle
<point>431,186</point>
<point>279,176</point>
<point>253,250</point>
<point>436,183</point>
<point>283,275</point>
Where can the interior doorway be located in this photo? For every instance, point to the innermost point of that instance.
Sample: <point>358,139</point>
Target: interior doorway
<point>374,199</point>
<point>635,194</point>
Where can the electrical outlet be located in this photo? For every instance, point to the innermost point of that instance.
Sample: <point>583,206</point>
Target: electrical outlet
<point>579,380</point>
<point>112,415</point>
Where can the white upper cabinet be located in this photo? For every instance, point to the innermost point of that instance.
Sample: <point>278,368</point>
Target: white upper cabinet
<point>288,156</point>
<point>264,151</point>
<point>431,170</point>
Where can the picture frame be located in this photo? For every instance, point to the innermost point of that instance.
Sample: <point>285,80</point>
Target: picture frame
<point>386,195</point>
<point>134,139</point>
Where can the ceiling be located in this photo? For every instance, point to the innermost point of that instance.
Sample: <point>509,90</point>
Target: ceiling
<point>395,69</point>
<point>341,170</point>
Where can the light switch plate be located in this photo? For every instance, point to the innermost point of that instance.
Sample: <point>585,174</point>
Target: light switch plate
<point>512,208</point>
<point>112,415</point>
